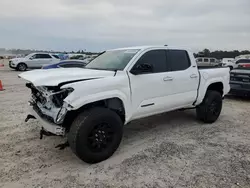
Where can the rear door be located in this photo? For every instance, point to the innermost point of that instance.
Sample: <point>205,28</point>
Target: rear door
<point>185,79</point>
<point>44,59</point>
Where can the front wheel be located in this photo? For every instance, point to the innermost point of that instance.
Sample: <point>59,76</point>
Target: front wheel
<point>95,134</point>
<point>209,110</point>
<point>21,67</point>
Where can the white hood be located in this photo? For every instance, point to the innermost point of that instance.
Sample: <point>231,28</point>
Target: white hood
<point>53,77</point>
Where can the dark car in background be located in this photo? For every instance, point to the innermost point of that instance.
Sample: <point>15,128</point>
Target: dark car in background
<point>66,64</point>
<point>240,81</point>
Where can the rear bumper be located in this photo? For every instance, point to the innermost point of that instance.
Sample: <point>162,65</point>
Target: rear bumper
<point>46,125</point>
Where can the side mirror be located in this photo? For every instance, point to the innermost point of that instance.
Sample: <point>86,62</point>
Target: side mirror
<point>31,58</point>
<point>142,69</point>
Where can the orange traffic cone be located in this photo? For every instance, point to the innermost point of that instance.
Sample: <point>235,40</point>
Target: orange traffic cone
<point>1,86</point>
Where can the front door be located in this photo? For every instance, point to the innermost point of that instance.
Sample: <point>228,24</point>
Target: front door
<point>150,89</point>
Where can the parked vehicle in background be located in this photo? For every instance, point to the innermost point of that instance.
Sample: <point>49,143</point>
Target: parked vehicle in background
<point>55,56</point>
<point>207,61</point>
<point>242,62</point>
<point>247,65</point>
<point>228,62</point>
<point>240,81</point>
<point>66,64</point>
<point>245,56</point>
<point>91,105</point>
<point>31,61</point>
<point>87,60</point>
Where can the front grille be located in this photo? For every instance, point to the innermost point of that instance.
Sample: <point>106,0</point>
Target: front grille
<point>44,116</point>
<point>240,78</point>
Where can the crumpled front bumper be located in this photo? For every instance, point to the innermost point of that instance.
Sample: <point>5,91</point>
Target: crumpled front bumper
<point>46,125</point>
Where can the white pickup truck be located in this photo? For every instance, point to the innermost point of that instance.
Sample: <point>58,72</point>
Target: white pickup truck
<point>90,105</point>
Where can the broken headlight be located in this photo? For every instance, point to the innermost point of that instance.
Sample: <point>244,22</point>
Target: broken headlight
<point>58,97</point>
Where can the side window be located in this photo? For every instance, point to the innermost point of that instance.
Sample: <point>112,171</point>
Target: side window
<point>44,56</point>
<point>34,56</point>
<point>56,56</point>
<point>212,60</point>
<point>205,60</point>
<point>178,60</point>
<point>199,60</point>
<point>155,58</point>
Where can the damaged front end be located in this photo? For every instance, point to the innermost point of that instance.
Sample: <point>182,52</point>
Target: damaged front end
<point>47,105</point>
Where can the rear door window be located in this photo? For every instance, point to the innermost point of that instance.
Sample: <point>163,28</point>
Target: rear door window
<point>212,60</point>
<point>206,60</point>
<point>43,56</point>
<point>178,60</point>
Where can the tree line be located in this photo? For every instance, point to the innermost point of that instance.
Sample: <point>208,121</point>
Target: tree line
<point>219,54</point>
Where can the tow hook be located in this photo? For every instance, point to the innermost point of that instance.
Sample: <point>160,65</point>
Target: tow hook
<point>43,132</point>
<point>29,117</point>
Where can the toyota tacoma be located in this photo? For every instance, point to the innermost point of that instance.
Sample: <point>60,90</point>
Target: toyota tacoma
<point>90,105</point>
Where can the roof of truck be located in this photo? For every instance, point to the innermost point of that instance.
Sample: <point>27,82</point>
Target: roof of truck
<point>146,47</point>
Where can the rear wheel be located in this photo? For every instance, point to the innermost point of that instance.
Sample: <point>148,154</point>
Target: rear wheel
<point>21,67</point>
<point>209,110</point>
<point>95,134</point>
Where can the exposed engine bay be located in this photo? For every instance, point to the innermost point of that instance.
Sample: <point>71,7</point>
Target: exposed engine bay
<point>48,102</point>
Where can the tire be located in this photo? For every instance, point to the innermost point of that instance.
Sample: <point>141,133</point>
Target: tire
<point>209,110</point>
<point>21,67</point>
<point>95,124</point>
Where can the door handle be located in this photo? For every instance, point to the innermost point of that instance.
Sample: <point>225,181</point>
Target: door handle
<point>193,76</point>
<point>167,79</point>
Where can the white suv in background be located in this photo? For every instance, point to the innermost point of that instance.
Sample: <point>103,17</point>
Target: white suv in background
<point>34,60</point>
<point>229,62</point>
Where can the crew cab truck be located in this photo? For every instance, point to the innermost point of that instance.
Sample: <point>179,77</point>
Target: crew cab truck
<point>90,105</point>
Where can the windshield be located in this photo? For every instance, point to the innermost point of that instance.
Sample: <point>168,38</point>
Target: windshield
<point>112,60</point>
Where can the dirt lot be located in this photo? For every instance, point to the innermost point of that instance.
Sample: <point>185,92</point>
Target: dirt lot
<point>168,150</point>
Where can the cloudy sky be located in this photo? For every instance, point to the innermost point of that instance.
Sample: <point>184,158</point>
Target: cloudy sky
<point>102,24</point>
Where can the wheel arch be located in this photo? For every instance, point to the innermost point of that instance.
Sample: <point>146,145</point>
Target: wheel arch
<point>216,86</point>
<point>115,104</point>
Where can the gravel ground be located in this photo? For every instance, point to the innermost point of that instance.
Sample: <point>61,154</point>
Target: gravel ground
<point>168,150</point>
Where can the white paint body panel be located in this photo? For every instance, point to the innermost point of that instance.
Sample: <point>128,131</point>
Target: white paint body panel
<point>135,91</point>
